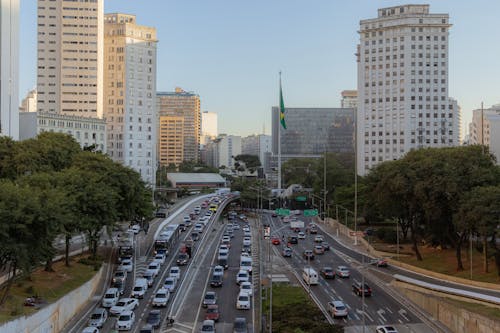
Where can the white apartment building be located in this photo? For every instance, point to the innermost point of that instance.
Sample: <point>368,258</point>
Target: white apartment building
<point>28,104</point>
<point>130,93</point>
<point>9,68</point>
<point>485,129</point>
<point>403,100</point>
<point>70,57</point>
<point>222,150</point>
<point>209,129</point>
<point>257,145</point>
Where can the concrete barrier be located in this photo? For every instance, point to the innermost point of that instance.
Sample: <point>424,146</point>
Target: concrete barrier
<point>452,316</point>
<point>53,317</point>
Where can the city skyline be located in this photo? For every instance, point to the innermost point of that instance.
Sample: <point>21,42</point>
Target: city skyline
<point>237,68</point>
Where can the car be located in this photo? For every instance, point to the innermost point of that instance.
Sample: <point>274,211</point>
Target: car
<point>337,309</point>
<point>236,227</point>
<point>246,228</point>
<point>245,255</point>
<point>293,240</point>
<point>246,287</point>
<point>246,248</point>
<point>198,227</point>
<point>218,270</point>
<point>210,298</point>
<point>111,297</point>
<point>150,278</point>
<point>186,219</point>
<point>98,317</point>
<point>247,233</point>
<point>318,239</point>
<point>154,318</point>
<point>120,286</point>
<point>147,329</point>
<point>343,272</point>
<point>301,235</point>
<point>160,258</point>
<point>286,252</point>
<point>247,241</point>
<point>161,297</point>
<point>125,321</point>
<point>170,284</point>
<point>195,236</point>
<point>386,329</point>
<point>216,280</point>
<point>308,255</point>
<point>223,250</point>
<point>381,262</point>
<point>175,272</point>
<point>313,229</point>
<point>226,240</point>
<point>242,276</point>
<point>126,265</point>
<point>124,304</point>
<point>326,246</point>
<point>120,276</point>
<point>242,217</point>
<point>358,289</point>
<point>274,215</point>
<point>243,301</point>
<point>213,312</point>
<point>246,264</point>
<point>327,272</point>
<point>208,326</point>
<point>275,240</point>
<point>90,330</point>
<point>136,228</point>
<point>182,259</point>
<point>240,325</point>
<point>124,257</point>
<point>318,249</point>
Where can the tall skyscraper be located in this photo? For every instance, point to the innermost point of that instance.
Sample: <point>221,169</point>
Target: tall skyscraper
<point>187,106</point>
<point>209,129</point>
<point>130,93</point>
<point>403,100</point>
<point>171,140</point>
<point>70,57</point>
<point>9,68</point>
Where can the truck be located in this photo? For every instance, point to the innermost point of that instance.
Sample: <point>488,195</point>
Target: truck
<point>296,224</point>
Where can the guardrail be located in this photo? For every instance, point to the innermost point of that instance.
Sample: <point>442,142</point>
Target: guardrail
<point>448,290</point>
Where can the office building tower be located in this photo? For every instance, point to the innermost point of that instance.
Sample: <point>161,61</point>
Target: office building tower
<point>130,93</point>
<point>403,100</point>
<point>257,145</point>
<point>349,99</point>
<point>185,105</point>
<point>171,140</point>
<point>70,57</point>
<point>9,68</point>
<point>209,129</point>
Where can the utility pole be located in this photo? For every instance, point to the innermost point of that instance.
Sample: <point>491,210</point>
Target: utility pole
<point>356,182</point>
<point>324,187</point>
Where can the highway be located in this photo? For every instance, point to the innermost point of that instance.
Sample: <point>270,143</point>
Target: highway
<point>380,309</point>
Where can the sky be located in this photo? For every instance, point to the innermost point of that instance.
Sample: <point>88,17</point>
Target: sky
<point>230,52</point>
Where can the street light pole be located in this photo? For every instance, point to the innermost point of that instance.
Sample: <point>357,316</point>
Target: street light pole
<point>356,181</point>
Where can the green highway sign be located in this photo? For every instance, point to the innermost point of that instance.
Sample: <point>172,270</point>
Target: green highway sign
<point>310,212</point>
<point>301,198</point>
<point>282,211</point>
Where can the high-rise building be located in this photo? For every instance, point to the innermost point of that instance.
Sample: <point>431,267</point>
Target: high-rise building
<point>349,99</point>
<point>70,57</point>
<point>9,68</point>
<point>485,129</point>
<point>257,145</point>
<point>403,100</point>
<point>130,93</point>
<point>187,106</point>
<point>171,140</point>
<point>28,104</point>
<point>229,146</point>
<point>209,129</point>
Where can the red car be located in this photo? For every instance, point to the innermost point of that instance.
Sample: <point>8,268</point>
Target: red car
<point>212,313</point>
<point>275,240</point>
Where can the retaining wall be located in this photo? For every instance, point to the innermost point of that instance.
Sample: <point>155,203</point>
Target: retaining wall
<point>53,317</point>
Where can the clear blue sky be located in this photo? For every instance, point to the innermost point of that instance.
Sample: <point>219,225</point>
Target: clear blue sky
<point>230,52</point>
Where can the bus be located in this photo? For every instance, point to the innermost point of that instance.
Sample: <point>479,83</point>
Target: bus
<point>167,239</point>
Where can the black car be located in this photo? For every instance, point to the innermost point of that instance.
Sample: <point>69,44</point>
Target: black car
<point>326,246</point>
<point>308,254</point>
<point>195,236</point>
<point>357,288</point>
<point>240,325</point>
<point>293,240</point>
<point>287,252</point>
<point>327,273</point>
<point>154,318</point>
<point>182,259</point>
<point>216,281</point>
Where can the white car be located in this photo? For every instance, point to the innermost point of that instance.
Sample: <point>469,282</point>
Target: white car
<point>161,297</point>
<point>242,276</point>
<point>124,304</point>
<point>126,265</point>
<point>246,287</point>
<point>160,258</point>
<point>154,268</point>
<point>236,226</point>
<point>318,239</point>
<point>175,272</point>
<point>90,330</point>
<point>343,272</point>
<point>301,235</point>
<point>247,241</point>
<point>208,326</point>
<point>136,228</point>
<point>245,255</point>
<point>243,301</point>
<point>170,284</point>
<point>246,228</point>
<point>223,250</point>
<point>337,309</point>
<point>386,329</point>
<point>247,233</point>
<point>125,321</point>
<point>218,270</point>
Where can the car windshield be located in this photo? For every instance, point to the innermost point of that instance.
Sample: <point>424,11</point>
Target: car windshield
<point>124,318</point>
<point>121,303</point>
<point>162,295</point>
<point>243,298</point>
<point>95,316</point>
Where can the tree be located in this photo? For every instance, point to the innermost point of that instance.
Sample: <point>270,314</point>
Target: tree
<point>7,153</point>
<point>247,162</point>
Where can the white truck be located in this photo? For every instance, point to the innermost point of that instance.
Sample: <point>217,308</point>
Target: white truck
<point>296,224</point>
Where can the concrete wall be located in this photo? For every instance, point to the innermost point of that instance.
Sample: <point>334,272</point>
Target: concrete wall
<point>52,318</point>
<point>456,319</point>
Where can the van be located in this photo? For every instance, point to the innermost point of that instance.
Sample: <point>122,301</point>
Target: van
<point>111,297</point>
<point>140,287</point>
<point>310,276</point>
<point>246,264</point>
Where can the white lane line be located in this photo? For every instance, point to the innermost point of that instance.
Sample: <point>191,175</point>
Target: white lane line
<point>388,309</point>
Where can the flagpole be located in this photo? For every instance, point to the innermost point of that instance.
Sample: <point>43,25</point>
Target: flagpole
<point>279,143</point>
